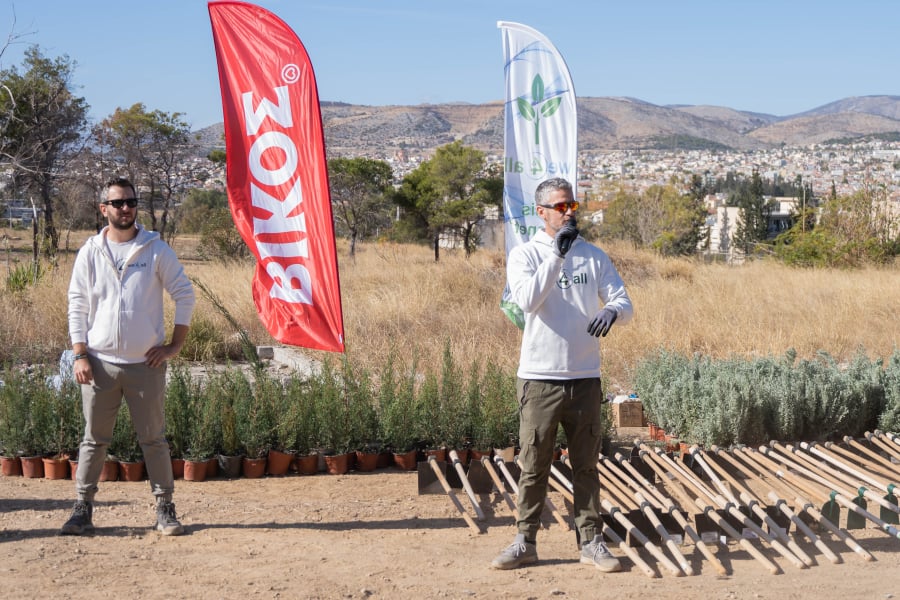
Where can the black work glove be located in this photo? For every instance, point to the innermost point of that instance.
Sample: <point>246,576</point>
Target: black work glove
<point>565,237</point>
<point>600,324</point>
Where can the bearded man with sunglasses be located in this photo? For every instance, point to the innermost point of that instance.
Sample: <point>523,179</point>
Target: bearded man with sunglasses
<point>117,329</point>
<point>571,294</point>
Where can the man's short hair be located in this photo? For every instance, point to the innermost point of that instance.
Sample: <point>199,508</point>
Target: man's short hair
<point>547,187</point>
<point>117,182</point>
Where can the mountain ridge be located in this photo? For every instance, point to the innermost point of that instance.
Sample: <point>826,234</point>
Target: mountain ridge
<point>604,124</point>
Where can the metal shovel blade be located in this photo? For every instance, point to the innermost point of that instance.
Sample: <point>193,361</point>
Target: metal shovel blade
<point>479,479</point>
<point>887,515</point>
<point>428,481</point>
<point>832,512</point>
<point>856,521</point>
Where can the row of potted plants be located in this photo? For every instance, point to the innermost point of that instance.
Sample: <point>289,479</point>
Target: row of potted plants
<point>235,411</point>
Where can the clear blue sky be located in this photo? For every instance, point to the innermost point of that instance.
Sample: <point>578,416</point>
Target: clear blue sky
<point>771,56</point>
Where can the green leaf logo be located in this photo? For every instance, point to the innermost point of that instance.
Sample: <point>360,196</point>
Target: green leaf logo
<point>546,108</point>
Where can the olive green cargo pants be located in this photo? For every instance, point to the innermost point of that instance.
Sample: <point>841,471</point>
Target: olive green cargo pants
<point>543,405</point>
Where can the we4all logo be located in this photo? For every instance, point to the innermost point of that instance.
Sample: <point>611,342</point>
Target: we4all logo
<point>539,107</point>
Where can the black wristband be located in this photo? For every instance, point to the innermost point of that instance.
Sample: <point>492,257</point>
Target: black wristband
<point>80,356</point>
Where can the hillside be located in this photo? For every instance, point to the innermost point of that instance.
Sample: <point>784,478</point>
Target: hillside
<point>604,124</point>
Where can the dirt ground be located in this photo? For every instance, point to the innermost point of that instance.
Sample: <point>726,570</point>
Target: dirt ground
<point>363,535</point>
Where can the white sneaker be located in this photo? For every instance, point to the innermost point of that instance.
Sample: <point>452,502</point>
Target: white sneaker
<point>516,554</point>
<point>596,553</point>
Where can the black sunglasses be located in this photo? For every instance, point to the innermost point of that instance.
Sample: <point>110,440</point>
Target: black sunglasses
<point>129,202</point>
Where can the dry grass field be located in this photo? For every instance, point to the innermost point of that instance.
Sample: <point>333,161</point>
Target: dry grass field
<point>396,299</point>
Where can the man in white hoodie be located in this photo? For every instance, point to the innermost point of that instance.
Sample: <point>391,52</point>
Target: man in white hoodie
<point>117,331</point>
<point>570,294</point>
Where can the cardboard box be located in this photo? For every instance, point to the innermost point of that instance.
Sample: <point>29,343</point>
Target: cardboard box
<point>628,414</point>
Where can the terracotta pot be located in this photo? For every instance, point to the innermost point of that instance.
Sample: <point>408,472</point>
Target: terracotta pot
<point>307,464</point>
<point>463,455</point>
<point>477,455</point>
<point>438,454</point>
<point>195,470</point>
<point>212,467</point>
<point>366,461</point>
<point>32,467</point>
<point>110,471</point>
<point>131,471</point>
<point>253,468</point>
<point>73,468</point>
<point>56,468</point>
<point>178,468</point>
<point>405,460</point>
<point>10,466</point>
<point>278,463</point>
<point>385,459</point>
<point>337,464</point>
<point>230,466</point>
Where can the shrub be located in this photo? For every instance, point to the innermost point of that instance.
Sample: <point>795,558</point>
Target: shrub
<point>498,417</point>
<point>297,420</point>
<point>890,417</point>
<point>14,412</point>
<point>752,401</point>
<point>255,421</point>
<point>124,445</point>
<point>396,407</point>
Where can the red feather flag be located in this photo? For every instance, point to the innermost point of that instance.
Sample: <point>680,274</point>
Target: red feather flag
<point>277,174</point>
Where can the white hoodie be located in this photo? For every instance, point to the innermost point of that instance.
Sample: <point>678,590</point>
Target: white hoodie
<point>120,315</point>
<point>559,297</point>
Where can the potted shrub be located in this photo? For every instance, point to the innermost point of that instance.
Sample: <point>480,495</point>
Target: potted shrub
<point>38,435</point>
<point>498,417</point>
<point>271,391</point>
<point>65,427</point>
<point>229,456</point>
<point>255,422</point>
<point>363,418</point>
<point>178,406</point>
<point>397,414</point>
<point>454,420</point>
<point>429,418</point>
<point>201,433</point>
<point>298,424</point>
<point>125,447</point>
<point>336,426</point>
<point>13,421</point>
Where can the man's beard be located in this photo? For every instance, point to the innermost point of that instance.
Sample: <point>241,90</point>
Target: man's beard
<point>123,225</point>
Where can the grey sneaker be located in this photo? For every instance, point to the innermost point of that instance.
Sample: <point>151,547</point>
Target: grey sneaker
<point>81,521</point>
<point>596,553</point>
<point>516,554</point>
<point>166,521</point>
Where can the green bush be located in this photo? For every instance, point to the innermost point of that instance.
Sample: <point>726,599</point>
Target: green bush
<point>890,418</point>
<point>24,275</point>
<point>255,421</point>
<point>14,412</point>
<point>497,421</point>
<point>743,401</point>
<point>397,407</point>
<point>124,445</point>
